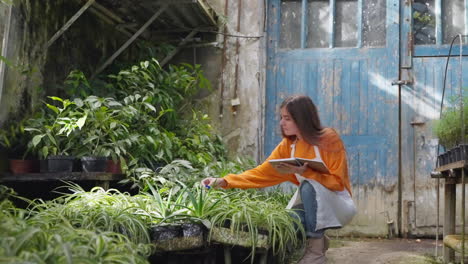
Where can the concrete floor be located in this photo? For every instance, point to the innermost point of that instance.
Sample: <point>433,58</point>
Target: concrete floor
<point>383,251</point>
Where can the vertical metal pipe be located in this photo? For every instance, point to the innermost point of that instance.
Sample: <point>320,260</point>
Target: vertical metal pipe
<point>460,85</point>
<point>304,24</point>
<point>223,62</point>
<point>332,24</point>
<point>438,27</point>
<point>236,83</point>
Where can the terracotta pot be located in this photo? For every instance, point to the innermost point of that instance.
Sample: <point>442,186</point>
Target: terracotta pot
<point>23,166</point>
<point>113,167</point>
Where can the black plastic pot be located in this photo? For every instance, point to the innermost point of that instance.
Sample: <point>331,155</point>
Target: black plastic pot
<point>166,232</point>
<point>192,229</point>
<point>57,164</point>
<point>451,156</point>
<point>94,164</point>
<point>440,160</point>
<point>445,158</point>
<point>464,152</point>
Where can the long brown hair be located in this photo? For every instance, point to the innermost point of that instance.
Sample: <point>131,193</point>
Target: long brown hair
<point>305,115</point>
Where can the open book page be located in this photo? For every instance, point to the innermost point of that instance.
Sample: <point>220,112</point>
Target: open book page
<point>276,162</point>
<point>315,164</point>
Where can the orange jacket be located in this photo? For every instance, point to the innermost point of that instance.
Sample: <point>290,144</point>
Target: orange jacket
<point>331,150</point>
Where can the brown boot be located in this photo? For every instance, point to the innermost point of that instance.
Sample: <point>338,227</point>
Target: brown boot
<point>315,251</point>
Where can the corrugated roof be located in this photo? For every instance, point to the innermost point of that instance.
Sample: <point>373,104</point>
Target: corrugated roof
<point>177,21</point>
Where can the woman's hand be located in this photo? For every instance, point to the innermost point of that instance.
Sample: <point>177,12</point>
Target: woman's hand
<point>214,183</point>
<point>287,168</point>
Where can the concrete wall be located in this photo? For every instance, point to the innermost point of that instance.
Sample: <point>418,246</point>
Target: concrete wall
<point>241,77</point>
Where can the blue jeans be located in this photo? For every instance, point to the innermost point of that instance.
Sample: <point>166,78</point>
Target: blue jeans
<point>307,210</point>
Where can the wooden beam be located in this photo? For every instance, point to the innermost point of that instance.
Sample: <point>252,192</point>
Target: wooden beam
<point>69,23</point>
<point>130,41</point>
<point>109,13</point>
<point>106,19</point>
<point>208,11</point>
<point>6,38</point>
<point>179,47</point>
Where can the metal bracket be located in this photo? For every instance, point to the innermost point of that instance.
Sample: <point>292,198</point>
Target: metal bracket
<point>402,82</point>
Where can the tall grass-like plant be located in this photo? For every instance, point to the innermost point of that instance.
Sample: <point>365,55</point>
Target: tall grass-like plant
<point>168,204</point>
<point>449,127</point>
<point>256,212</point>
<point>98,210</point>
<point>43,236</point>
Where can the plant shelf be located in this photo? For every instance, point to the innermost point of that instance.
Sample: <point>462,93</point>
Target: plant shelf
<point>64,176</point>
<point>226,236</point>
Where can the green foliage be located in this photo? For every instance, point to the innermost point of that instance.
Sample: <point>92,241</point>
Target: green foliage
<point>7,2</point>
<point>104,133</point>
<point>254,211</point>
<point>55,132</point>
<point>43,235</point>
<point>77,85</point>
<point>449,128</point>
<point>424,18</point>
<point>14,139</point>
<point>165,90</point>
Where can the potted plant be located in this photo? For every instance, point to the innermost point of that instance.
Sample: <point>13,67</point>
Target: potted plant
<point>14,141</point>
<point>103,136</point>
<point>54,134</point>
<point>449,131</point>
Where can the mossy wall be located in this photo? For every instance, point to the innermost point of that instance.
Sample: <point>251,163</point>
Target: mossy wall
<point>40,71</point>
<point>3,13</point>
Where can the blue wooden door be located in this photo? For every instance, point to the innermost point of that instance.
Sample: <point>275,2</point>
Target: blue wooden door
<point>432,25</point>
<point>344,54</point>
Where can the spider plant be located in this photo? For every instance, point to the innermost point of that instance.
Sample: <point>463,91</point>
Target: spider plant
<point>30,237</point>
<point>255,211</point>
<point>97,210</point>
<point>167,207</point>
<point>201,203</point>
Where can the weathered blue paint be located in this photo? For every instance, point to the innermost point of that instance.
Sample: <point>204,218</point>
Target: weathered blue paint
<point>353,92</point>
<point>441,51</point>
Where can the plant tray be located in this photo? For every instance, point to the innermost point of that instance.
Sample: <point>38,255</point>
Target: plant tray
<point>178,237</point>
<point>456,154</point>
<point>179,243</point>
<point>224,235</point>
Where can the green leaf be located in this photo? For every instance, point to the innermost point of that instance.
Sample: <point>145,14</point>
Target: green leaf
<point>80,123</point>
<point>53,108</point>
<point>55,98</point>
<point>151,107</point>
<point>36,139</point>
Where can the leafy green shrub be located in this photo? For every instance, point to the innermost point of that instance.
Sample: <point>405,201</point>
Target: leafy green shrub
<point>14,139</point>
<point>54,132</point>
<point>448,128</point>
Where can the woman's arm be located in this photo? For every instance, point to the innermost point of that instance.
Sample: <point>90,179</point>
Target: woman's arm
<point>264,175</point>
